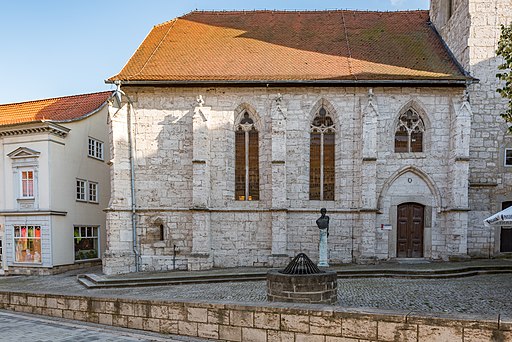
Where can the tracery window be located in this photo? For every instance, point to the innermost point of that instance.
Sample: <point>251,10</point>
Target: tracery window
<point>322,156</point>
<point>247,178</point>
<point>409,132</point>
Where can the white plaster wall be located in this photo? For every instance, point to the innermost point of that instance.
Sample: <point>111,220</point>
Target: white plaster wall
<point>69,162</point>
<point>9,185</point>
<point>60,162</point>
<point>39,143</point>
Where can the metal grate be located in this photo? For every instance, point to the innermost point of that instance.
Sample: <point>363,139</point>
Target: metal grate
<point>301,264</point>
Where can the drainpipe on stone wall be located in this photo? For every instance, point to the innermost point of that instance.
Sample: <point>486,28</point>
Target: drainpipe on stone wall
<point>132,175</point>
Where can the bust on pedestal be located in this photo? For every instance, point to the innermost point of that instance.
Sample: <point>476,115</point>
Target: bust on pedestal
<point>323,226</point>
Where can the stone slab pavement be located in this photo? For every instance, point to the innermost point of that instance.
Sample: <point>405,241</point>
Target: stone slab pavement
<point>487,294</point>
<point>32,328</point>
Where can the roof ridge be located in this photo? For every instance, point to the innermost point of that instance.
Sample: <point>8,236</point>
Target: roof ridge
<point>291,11</point>
<point>167,22</point>
<point>55,98</point>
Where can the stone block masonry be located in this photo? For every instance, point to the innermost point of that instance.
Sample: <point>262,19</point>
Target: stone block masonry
<point>185,176</point>
<point>317,288</point>
<point>267,323</point>
<point>472,34</point>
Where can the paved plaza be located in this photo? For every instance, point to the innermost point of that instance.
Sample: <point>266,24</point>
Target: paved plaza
<point>23,327</point>
<point>487,294</point>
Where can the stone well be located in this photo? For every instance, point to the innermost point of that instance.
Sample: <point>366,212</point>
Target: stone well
<point>302,282</point>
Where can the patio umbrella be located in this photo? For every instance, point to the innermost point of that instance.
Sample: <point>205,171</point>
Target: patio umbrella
<point>502,218</point>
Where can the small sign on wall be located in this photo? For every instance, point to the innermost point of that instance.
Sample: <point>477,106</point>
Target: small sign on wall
<point>386,226</point>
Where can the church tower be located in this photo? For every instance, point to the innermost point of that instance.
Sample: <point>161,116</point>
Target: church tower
<point>471,30</point>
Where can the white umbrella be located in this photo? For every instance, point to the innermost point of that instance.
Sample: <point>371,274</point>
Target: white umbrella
<point>502,218</point>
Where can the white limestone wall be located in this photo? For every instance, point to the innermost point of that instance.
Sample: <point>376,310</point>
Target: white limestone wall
<point>282,223</point>
<point>472,34</point>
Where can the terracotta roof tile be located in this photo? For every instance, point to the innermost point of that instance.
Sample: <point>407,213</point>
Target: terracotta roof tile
<point>60,109</point>
<point>283,45</point>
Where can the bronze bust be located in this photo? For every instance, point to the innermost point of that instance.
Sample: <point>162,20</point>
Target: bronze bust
<point>323,221</point>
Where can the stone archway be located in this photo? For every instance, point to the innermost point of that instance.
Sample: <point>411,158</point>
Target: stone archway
<point>409,199</point>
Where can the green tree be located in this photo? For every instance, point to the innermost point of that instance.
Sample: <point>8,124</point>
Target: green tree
<point>505,51</point>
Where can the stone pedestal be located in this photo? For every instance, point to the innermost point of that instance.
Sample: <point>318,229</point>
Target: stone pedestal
<point>323,259</point>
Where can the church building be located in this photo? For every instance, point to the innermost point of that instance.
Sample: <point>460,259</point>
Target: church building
<point>233,129</point>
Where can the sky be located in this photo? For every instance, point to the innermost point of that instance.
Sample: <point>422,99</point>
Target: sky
<point>55,48</point>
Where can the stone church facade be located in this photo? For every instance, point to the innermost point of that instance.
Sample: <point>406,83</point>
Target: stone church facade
<point>222,161</point>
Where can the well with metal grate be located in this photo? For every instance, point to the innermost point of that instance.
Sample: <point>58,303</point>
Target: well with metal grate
<point>302,282</point>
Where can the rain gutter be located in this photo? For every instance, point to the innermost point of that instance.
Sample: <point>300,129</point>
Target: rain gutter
<point>300,83</point>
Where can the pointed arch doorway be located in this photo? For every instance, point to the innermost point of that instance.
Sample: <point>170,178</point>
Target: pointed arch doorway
<point>410,230</point>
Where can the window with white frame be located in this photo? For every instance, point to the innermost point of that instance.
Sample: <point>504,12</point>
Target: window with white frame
<point>27,183</point>
<point>508,157</point>
<point>86,242</point>
<point>95,148</point>
<point>93,192</point>
<point>25,165</point>
<point>81,195</point>
<point>86,191</point>
<point>27,244</point>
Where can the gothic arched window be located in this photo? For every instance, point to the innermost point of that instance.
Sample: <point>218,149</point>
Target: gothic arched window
<point>322,156</point>
<point>409,132</point>
<point>247,178</point>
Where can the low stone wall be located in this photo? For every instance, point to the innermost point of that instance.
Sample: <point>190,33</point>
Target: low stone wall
<point>262,322</point>
<point>43,271</point>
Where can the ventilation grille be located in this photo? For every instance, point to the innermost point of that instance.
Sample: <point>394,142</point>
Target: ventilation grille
<point>301,264</point>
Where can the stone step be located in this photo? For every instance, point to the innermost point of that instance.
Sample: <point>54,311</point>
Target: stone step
<point>139,282</point>
<point>97,281</point>
<point>423,272</point>
<point>422,276</point>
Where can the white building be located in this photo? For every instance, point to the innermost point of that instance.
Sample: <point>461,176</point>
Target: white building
<point>245,124</point>
<point>54,182</point>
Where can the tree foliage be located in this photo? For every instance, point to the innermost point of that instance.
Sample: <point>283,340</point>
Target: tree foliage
<point>505,51</point>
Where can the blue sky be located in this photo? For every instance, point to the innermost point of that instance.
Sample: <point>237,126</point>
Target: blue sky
<point>55,48</point>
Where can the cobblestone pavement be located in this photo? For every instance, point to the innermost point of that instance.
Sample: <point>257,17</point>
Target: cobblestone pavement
<point>23,327</point>
<point>482,294</point>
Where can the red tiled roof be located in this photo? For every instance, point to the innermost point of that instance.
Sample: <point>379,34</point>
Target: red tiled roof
<point>292,46</point>
<point>59,109</point>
